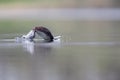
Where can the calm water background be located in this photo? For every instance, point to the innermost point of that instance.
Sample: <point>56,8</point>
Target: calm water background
<point>89,50</point>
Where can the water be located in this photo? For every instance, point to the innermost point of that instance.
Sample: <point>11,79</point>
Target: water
<point>87,51</point>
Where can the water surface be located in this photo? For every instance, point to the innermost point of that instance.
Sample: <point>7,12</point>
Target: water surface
<point>87,51</point>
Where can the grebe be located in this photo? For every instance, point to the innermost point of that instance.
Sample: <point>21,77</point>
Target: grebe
<point>42,32</point>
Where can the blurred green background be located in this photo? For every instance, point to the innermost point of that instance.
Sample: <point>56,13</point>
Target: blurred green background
<point>60,3</point>
<point>17,25</point>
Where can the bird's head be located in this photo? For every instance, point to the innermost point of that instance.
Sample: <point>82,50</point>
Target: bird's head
<point>24,36</point>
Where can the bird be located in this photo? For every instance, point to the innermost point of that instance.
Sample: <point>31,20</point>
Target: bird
<point>29,36</point>
<point>44,32</point>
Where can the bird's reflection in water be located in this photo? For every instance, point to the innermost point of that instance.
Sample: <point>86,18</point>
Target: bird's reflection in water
<point>40,46</point>
<point>40,64</point>
<point>34,48</point>
<point>28,46</point>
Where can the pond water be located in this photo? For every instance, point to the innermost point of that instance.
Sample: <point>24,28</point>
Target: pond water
<point>87,51</point>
